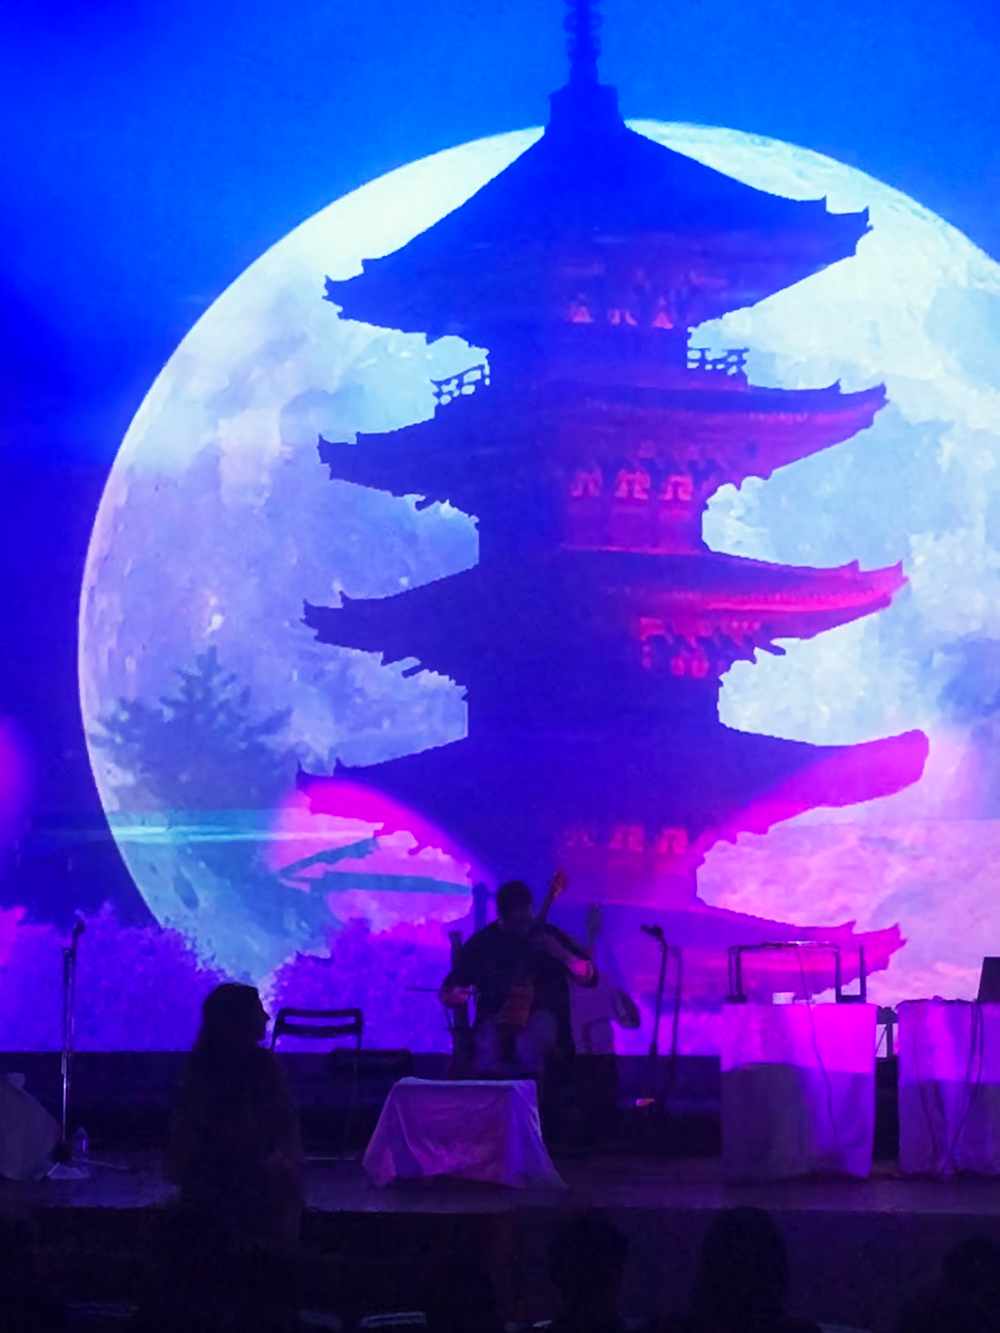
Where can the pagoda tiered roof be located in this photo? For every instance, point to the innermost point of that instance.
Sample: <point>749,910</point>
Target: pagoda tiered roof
<point>461,625</point>
<point>598,217</point>
<point>592,635</point>
<point>654,802</point>
<point>474,445</point>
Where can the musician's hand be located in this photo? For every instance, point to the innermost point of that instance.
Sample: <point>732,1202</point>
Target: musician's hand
<point>455,996</point>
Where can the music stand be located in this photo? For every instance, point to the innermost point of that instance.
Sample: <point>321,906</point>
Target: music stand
<point>989,982</point>
<point>737,995</point>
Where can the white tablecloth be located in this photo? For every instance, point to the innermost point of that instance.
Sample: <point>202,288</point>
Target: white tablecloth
<point>479,1130</point>
<point>798,1089</point>
<point>28,1134</point>
<point>949,1087</point>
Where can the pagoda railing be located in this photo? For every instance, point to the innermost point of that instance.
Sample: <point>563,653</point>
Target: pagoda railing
<point>462,384</point>
<point>730,362</point>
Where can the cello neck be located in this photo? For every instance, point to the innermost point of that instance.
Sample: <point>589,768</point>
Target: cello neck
<point>557,886</point>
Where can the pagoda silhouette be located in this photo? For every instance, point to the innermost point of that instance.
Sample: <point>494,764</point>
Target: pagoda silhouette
<point>592,635</point>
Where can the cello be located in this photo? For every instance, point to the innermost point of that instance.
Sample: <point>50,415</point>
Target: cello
<point>520,998</point>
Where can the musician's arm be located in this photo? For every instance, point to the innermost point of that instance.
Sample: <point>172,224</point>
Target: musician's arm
<point>457,987</point>
<point>577,962</point>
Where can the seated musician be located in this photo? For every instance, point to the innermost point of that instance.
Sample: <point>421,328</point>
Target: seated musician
<point>519,969</point>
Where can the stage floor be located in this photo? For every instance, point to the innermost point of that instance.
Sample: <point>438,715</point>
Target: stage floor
<point>135,1180</point>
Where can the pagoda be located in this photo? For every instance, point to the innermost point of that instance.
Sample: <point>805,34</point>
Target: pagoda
<point>592,635</point>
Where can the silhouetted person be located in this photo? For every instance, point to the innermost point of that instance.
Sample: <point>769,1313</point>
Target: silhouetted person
<point>586,1263</point>
<point>742,1280</point>
<point>462,1300</point>
<point>234,1143</point>
<point>967,1296</point>
<point>509,954</point>
<point>28,1303</point>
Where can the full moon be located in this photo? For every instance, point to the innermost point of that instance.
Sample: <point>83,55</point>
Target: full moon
<point>218,521</point>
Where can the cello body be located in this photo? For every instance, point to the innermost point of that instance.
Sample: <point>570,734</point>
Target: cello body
<point>520,998</point>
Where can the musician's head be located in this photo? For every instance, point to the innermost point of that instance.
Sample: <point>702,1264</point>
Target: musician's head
<point>515,907</point>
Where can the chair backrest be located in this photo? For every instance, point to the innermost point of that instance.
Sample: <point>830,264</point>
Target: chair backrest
<point>319,1025</point>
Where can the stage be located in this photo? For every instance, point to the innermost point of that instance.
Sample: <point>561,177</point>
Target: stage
<point>858,1248</point>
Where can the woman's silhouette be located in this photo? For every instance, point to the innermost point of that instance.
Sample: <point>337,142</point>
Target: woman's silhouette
<point>234,1144</point>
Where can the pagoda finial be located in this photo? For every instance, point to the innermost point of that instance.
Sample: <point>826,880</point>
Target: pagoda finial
<point>581,23</point>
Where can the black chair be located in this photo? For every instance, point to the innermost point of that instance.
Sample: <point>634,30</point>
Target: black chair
<point>328,1025</point>
<point>319,1025</point>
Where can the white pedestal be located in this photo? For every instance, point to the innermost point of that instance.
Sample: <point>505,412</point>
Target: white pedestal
<point>949,1087</point>
<point>474,1129</point>
<point>798,1089</point>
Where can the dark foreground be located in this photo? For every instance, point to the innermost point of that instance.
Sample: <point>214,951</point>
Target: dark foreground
<point>858,1249</point>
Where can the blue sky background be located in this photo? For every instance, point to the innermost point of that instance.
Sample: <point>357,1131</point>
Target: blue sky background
<point>150,151</point>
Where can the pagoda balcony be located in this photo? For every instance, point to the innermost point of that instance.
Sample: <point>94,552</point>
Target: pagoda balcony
<point>730,362</point>
<point>462,385</point>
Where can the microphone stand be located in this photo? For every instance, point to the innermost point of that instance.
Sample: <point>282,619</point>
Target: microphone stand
<point>63,1168</point>
<point>68,1006</point>
<point>655,1094</point>
<point>657,934</point>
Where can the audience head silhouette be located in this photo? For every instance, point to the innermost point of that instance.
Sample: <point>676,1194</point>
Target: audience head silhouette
<point>967,1298</point>
<point>974,1266</point>
<point>742,1281</point>
<point>586,1263</point>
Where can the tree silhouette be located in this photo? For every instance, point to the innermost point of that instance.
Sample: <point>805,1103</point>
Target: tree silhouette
<point>199,749</point>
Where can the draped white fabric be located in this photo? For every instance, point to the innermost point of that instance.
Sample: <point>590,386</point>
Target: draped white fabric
<point>798,1089</point>
<point>478,1130</point>
<point>28,1134</point>
<point>949,1087</point>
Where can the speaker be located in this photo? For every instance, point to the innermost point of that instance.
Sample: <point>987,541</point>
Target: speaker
<point>989,982</point>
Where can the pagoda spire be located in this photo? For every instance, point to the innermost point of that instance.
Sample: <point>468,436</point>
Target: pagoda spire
<point>584,106</point>
<point>582,22</point>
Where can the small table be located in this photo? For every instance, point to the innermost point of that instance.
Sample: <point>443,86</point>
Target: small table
<point>798,1089</point>
<point>474,1129</point>
<point>949,1087</point>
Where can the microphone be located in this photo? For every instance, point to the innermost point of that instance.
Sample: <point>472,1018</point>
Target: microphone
<point>655,931</point>
<point>79,926</point>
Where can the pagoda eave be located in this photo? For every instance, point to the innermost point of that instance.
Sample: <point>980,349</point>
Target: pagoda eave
<point>742,433</point>
<point>665,797</point>
<point>592,202</point>
<point>704,281</point>
<point>452,625</point>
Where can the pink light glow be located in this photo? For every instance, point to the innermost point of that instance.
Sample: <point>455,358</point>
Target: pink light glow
<point>393,843</point>
<point>341,813</point>
<point>849,776</point>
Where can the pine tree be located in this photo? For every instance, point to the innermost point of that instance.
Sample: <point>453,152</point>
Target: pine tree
<point>200,748</point>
